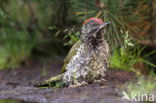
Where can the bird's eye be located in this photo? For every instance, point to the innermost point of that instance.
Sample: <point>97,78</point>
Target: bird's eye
<point>93,30</point>
<point>95,25</point>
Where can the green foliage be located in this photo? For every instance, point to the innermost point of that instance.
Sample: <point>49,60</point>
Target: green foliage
<point>71,34</point>
<point>114,12</point>
<point>2,16</point>
<point>84,9</point>
<point>124,15</point>
<point>125,59</point>
<point>19,11</point>
<point>130,54</point>
<point>15,47</point>
<point>10,101</point>
<point>24,26</point>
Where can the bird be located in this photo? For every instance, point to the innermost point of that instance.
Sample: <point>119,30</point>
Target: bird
<point>88,59</point>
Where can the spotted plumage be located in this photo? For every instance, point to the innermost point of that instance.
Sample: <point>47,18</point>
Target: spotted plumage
<point>90,59</point>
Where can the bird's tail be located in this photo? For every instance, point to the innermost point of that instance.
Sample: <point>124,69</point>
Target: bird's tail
<point>55,81</point>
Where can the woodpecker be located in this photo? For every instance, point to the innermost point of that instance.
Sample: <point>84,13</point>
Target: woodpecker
<point>88,59</point>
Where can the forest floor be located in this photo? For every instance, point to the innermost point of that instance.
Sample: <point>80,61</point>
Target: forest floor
<point>17,86</point>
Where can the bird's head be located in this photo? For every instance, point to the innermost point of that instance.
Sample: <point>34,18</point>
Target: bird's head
<point>91,30</point>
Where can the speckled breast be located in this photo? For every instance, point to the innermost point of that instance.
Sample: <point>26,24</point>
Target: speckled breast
<point>88,65</point>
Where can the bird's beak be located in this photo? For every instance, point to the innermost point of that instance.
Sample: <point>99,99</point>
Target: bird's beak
<point>104,25</point>
<point>101,27</point>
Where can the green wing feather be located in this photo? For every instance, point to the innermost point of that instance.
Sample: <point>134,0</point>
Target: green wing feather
<point>71,53</point>
<point>57,79</point>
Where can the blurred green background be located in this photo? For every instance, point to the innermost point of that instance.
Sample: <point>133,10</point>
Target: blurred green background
<point>37,29</point>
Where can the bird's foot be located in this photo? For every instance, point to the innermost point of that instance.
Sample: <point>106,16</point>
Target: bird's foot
<point>77,84</point>
<point>99,80</point>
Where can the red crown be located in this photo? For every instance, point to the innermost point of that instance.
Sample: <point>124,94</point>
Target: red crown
<point>97,20</point>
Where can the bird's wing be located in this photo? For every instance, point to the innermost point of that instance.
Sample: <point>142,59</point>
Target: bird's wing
<point>71,53</point>
<point>58,79</point>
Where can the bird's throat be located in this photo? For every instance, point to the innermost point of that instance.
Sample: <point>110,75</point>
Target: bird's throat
<point>95,41</point>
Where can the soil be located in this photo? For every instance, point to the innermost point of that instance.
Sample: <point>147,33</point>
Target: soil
<point>17,86</point>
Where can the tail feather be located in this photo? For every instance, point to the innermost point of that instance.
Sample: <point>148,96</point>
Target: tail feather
<point>55,81</point>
